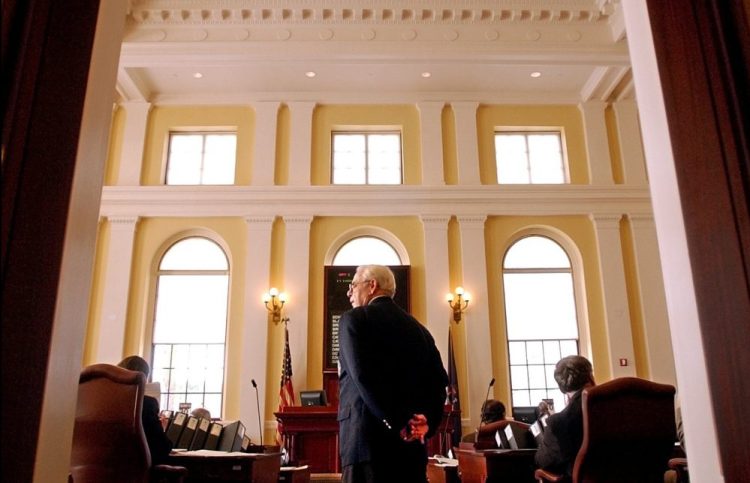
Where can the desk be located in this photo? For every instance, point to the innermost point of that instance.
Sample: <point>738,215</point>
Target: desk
<point>496,465</point>
<point>219,467</point>
<point>437,473</point>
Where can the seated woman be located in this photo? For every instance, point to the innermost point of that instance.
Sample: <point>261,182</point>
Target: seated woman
<point>158,443</point>
<point>492,410</point>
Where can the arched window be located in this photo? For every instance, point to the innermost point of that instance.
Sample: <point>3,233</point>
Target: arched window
<point>541,318</point>
<point>366,250</point>
<point>190,324</point>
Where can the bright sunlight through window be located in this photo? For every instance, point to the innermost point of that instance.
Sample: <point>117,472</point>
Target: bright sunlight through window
<point>201,158</point>
<point>540,317</point>
<point>190,325</point>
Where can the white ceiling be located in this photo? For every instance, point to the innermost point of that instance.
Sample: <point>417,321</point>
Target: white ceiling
<point>374,51</point>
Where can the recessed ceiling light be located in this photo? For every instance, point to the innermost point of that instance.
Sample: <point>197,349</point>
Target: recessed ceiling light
<point>310,74</point>
<point>197,75</point>
<point>536,74</point>
<point>426,74</point>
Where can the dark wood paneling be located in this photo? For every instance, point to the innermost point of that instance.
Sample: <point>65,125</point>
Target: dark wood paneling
<point>48,53</point>
<point>702,49</point>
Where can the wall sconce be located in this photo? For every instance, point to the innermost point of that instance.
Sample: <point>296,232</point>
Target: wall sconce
<point>274,302</point>
<point>458,302</point>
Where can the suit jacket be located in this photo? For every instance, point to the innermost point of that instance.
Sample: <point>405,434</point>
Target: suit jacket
<point>389,369</point>
<point>562,438</point>
<point>158,443</point>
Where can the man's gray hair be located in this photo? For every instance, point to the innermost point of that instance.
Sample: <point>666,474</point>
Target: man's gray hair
<point>381,274</point>
<point>572,373</point>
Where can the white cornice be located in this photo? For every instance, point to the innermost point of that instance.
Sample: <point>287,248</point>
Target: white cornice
<point>150,201</point>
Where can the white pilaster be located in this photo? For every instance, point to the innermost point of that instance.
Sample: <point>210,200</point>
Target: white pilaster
<point>111,336</point>
<point>682,306</point>
<point>477,330</point>
<point>597,142</point>
<point>297,286</point>
<point>431,126</point>
<point>631,147</point>
<point>133,140</point>
<point>264,150</point>
<point>437,275</point>
<point>653,301</point>
<point>614,292</point>
<point>467,147</point>
<point>300,150</point>
<point>255,323</point>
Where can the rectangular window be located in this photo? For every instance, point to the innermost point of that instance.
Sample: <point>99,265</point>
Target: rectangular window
<point>530,158</point>
<point>366,158</point>
<point>532,368</point>
<point>190,373</point>
<point>197,158</point>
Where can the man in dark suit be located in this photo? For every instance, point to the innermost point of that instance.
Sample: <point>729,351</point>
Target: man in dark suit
<point>564,433</point>
<point>391,385</point>
<point>158,444</point>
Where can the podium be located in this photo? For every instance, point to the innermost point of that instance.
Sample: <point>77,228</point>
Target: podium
<point>311,436</point>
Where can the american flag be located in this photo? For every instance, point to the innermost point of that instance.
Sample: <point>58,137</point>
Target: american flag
<point>286,391</point>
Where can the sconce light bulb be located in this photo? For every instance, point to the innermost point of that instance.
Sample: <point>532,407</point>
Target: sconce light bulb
<point>459,290</point>
<point>273,292</point>
<point>467,296</point>
<point>283,297</point>
<point>266,297</point>
<point>449,297</point>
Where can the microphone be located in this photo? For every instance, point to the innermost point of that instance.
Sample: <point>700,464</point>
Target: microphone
<point>257,403</point>
<point>484,406</point>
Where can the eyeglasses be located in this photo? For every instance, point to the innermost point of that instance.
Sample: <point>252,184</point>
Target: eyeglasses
<point>354,284</point>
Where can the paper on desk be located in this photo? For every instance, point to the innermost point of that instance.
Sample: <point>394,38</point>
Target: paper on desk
<point>442,461</point>
<point>294,468</point>
<point>213,453</point>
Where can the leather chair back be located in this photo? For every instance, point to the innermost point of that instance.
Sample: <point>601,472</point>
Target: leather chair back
<point>628,432</point>
<point>108,439</point>
<point>486,434</point>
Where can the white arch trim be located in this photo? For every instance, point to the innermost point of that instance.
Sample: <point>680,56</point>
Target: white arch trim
<point>367,230</point>
<point>576,265</point>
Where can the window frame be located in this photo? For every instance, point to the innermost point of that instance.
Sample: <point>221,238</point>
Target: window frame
<point>153,302</point>
<point>203,133</point>
<point>367,133</point>
<point>575,271</point>
<point>526,133</point>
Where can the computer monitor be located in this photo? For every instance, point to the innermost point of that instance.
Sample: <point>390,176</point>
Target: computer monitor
<point>526,414</point>
<point>313,398</point>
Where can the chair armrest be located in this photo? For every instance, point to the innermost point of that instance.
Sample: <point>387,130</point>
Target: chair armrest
<point>542,475</point>
<point>168,473</point>
<point>678,464</point>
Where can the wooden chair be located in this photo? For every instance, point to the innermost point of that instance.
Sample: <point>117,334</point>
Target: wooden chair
<point>628,433</point>
<point>108,439</point>
<point>485,438</point>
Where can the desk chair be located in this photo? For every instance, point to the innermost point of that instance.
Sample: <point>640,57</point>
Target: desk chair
<point>485,437</point>
<point>628,433</point>
<point>108,439</point>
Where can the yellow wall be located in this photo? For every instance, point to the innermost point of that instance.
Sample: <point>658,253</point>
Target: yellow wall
<point>114,152</point>
<point>153,238</point>
<point>162,120</point>
<point>328,118</point>
<point>566,118</point>
<point>500,233</point>
<point>154,234</point>
<point>323,232</point>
